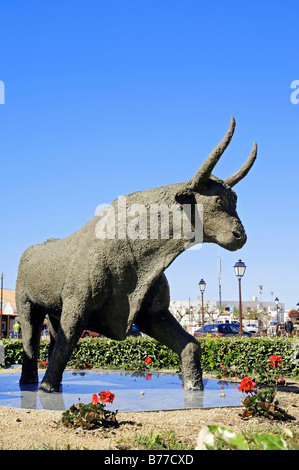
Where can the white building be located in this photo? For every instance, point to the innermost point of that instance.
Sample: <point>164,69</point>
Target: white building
<point>189,312</point>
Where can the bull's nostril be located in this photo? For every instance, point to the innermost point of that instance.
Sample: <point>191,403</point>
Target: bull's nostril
<point>237,234</point>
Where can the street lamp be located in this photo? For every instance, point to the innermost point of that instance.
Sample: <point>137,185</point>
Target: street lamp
<point>240,268</point>
<point>276,300</point>
<point>202,286</point>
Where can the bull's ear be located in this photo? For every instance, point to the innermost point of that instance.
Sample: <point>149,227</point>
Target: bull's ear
<point>185,197</point>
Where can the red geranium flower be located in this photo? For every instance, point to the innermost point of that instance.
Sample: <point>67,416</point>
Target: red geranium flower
<point>95,399</point>
<point>106,396</point>
<point>148,360</point>
<point>275,361</point>
<point>247,385</point>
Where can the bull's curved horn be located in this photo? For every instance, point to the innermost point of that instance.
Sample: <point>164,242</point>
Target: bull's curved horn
<point>206,168</point>
<point>236,177</point>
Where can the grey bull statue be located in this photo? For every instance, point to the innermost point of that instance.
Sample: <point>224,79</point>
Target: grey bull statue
<point>104,278</point>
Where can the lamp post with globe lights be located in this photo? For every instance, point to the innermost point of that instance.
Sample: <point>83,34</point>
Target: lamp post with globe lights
<point>240,268</point>
<point>276,300</point>
<point>202,286</point>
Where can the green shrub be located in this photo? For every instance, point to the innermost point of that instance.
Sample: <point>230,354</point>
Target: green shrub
<point>244,354</point>
<point>13,351</point>
<point>128,354</point>
<point>247,354</point>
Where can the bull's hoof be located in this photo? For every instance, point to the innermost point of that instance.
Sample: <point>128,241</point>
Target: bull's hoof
<point>193,385</point>
<point>48,388</point>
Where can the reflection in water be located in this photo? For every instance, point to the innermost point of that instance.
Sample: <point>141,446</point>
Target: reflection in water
<point>134,391</point>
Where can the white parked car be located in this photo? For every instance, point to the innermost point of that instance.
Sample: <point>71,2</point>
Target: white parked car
<point>252,328</point>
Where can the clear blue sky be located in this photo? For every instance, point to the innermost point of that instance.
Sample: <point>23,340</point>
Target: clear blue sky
<point>106,98</point>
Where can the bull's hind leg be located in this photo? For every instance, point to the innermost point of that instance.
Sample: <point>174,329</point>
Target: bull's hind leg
<point>31,320</point>
<point>53,330</point>
<point>155,320</point>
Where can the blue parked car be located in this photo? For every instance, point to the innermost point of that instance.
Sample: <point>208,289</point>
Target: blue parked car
<point>221,329</point>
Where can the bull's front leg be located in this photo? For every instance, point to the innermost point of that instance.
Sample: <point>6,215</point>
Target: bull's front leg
<point>162,326</point>
<point>69,332</point>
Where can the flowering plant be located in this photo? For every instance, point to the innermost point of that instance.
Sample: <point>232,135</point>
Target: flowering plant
<point>275,362</point>
<point>268,375</point>
<point>93,414</point>
<point>247,385</point>
<point>148,361</point>
<point>106,397</point>
<point>259,402</point>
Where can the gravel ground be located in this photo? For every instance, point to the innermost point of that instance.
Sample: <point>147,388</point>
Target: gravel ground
<point>32,429</point>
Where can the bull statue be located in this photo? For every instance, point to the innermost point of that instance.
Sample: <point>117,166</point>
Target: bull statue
<point>108,283</point>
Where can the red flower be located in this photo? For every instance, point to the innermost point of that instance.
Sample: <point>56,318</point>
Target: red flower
<point>106,396</point>
<point>247,385</point>
<point>95,399</point>
<point>45,363</point>
<point>148,360</point>
<point>275,361</point>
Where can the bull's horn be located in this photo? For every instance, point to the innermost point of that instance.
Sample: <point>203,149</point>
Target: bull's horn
<point>236,177</point>
<point>206,168</point>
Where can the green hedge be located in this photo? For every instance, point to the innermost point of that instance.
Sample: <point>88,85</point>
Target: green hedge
<point>247,354</point>
<point>105,353</point>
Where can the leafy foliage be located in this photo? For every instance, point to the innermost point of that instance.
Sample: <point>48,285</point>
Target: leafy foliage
<point>234,356</point>
<point>129,354</point>
<point>220,438</point>
<point>262,403</point>
<point>240,355</point>
<point>91,415</point>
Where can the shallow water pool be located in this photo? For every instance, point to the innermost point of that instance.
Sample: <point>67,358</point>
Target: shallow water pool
<point>134,391</point>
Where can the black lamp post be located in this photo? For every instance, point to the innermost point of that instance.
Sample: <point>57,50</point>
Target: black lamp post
<point>240,268</point>
<point>202,286</point>
<point>276,300</point>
